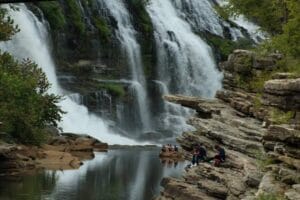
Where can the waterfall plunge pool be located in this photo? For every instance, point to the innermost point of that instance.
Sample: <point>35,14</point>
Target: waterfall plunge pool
<point>119,174</point>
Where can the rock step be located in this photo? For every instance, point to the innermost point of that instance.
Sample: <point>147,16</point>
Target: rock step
<point>227,135</point>
<point>179,190</point>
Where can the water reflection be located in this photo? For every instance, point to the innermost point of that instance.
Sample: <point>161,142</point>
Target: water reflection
<point>118,174</point>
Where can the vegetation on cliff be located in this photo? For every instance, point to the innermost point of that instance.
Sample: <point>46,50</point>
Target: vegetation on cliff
<point>26,107</point>
<point>54,13</point>
<point>279,18</point>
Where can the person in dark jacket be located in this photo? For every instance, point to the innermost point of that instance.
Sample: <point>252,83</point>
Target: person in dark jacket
<point>202,156</point>
<point>199,154</point>
<point>220,157</point>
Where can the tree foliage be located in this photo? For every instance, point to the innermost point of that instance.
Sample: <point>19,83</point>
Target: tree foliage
<point>280,18</point>
<point>25,106</point>
<point>7,27</point>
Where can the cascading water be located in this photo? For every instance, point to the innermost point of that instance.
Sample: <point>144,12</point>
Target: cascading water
<point>253,30</point>
<point>127,36</point>
<point>186,64</point>
<point>172,116</point>
<point>31,42</point>
<point>201,15</point>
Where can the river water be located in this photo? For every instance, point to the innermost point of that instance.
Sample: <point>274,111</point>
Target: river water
<point>131,174</point>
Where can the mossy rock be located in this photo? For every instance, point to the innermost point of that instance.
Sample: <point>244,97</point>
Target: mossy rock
<point>104,29</point>
<point>243,64</point>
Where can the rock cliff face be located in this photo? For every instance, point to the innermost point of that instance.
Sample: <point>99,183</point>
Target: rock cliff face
<point>263,153</point>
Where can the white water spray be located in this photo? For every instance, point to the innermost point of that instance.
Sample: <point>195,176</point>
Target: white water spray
<point>31,43</point>
<point>186,63</point>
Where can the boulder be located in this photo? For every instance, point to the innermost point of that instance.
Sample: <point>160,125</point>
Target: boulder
<point>283,133</point>
<point>269,185</point>
<point>292,195</point>
<point>282,93</point>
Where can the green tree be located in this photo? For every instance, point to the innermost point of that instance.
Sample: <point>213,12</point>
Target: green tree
<point>7,27</point>
<point>25,106</point>
<point>280,18</point>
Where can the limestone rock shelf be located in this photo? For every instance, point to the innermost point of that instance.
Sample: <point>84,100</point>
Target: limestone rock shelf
<point>66,151</point>
<point>263,155</point>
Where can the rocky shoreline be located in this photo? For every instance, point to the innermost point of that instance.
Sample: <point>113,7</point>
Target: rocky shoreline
<point>263,152</point>
<point>66,151</point>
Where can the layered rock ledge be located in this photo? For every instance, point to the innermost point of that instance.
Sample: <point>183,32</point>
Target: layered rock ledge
<point>258,127</point>
<point>66,151</point>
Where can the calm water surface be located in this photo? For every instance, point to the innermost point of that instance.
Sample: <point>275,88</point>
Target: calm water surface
<point>117,175</point>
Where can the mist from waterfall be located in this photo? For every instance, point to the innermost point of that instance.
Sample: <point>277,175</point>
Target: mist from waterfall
<point>186,63</point>
<point>126,34</point>
<point>31,42</point>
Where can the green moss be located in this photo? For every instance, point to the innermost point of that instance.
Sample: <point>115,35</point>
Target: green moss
<point>222,12</point>
<point>75,17</point>
<point>262,160</point>
<point>114,88</point>
<point>257,101</point>
<point>141,16</point>
<point>281,117</point>
<point>290,65</point>
<point>54,14</point>
<point>103,28</point>
<point>266,196</point>
<point>256,84</point>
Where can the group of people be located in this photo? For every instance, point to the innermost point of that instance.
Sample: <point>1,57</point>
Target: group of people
<point>200,154</point>
<point>169,148</point>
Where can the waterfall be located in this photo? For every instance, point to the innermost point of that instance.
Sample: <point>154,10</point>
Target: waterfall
<point>31,42</point>
<point>127,37</point>
<point>172,116</point>
<point>253,30</point>
<point>186,64</point>
<point>201,15</point>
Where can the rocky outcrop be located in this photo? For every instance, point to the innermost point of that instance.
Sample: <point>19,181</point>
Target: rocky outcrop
<point>282,93</point>
<point>237,178</point>
<point>258,127</point>
<point>62,152</point>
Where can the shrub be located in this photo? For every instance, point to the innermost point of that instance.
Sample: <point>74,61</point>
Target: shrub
<point>281,117</point>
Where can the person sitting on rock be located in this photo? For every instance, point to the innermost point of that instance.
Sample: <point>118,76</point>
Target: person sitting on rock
<point>164,149</point>
<point>195,156</point>
<point>220,157</point>
<point>202,156</point>
<point>175,148</point>
<point>170,147</point>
